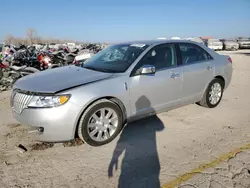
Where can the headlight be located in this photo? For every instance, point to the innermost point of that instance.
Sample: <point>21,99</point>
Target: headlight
<point>48,101</point>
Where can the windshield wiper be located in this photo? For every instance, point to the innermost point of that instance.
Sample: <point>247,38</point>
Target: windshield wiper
<point>91,68</point>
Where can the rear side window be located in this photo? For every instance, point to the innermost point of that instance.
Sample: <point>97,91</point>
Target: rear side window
<point>192,53</point>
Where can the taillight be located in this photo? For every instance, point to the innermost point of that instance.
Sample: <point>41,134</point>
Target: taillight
<point>76,62</point>
<point>230,60</point>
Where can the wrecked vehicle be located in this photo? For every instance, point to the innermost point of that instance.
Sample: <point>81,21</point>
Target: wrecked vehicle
<point>244,43</point>
<point>214,44</point>
<point>120,84</point>
<point>81,58</point>
<point>199,40</point>
<point>229,44</point>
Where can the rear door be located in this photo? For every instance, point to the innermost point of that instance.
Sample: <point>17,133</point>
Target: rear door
<point>198,71</point>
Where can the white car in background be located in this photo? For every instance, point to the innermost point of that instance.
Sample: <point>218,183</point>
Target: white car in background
<point>79,59</point>
<point>244,43</point>
<point>175,38</point>
<point>214,44</point>
<point>229,44</point>
<point>52,45</point>
<point>70,44</point>
<point>161,38</point>
<point>196,39</point>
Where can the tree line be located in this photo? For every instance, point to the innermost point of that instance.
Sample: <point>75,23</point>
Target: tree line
<point>32,38</point>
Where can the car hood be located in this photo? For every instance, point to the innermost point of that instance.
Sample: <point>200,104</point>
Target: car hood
<point>58,79</point>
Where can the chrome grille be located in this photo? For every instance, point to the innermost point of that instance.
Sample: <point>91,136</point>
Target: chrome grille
<point>20,101</point>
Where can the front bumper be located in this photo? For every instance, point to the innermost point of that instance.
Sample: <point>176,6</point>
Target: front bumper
<point>55,124</point>
<point>232,47</point>
<point>245,46</point>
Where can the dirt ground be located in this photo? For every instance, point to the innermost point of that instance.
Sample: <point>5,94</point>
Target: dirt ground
<point>186,147</point>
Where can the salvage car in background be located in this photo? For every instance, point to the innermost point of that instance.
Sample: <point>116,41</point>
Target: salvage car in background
<point>214,44</point>
<point>244,43</point>
<point>198,40</point>
<point>80,59</point>
<point>120,84</point>
<point>229,44</point>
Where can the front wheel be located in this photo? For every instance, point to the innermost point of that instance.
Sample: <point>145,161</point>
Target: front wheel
<point>213,94</point>
<point>100,123</point>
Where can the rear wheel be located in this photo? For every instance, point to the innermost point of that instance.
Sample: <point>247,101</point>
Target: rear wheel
<point>213,94</point>
<point>100,123</point>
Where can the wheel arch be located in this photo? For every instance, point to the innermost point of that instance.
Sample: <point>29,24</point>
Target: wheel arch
<point>221,78</point>
<point>117,101</point>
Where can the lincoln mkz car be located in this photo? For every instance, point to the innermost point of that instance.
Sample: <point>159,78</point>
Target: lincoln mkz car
<point>120,84</point>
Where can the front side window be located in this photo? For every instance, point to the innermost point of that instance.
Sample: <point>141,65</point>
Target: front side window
<point>192,53</point>
<point>162,56</point>
<point>116,58</point>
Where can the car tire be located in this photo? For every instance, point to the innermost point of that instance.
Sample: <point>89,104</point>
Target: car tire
<point>84,129</point>
<point>1,74</point>
<point>207,96</point>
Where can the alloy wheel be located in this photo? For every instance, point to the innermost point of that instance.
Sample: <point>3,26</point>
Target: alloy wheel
<point>102,124</point>
<point>215,93</point>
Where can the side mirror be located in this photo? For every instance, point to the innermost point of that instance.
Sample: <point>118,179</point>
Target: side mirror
<point>147,69</point>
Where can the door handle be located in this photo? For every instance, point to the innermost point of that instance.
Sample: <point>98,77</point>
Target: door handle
<point>174,75</point>
<point>209,68</point>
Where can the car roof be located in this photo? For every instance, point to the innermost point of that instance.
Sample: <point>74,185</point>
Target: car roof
<point>155,42</point>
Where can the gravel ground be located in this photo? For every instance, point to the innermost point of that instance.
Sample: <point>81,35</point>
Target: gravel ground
<point>148,153</point>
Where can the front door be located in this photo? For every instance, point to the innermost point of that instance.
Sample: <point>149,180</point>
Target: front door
<point>154,92</point>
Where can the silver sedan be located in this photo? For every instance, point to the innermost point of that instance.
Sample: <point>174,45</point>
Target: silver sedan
<point>120,84</point>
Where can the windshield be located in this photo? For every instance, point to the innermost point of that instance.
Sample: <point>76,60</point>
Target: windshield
<point>116,58</point>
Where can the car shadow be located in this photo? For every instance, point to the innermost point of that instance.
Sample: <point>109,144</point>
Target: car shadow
<point>140,166</point>
<point>247,54</point>
<point>243,53</point>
